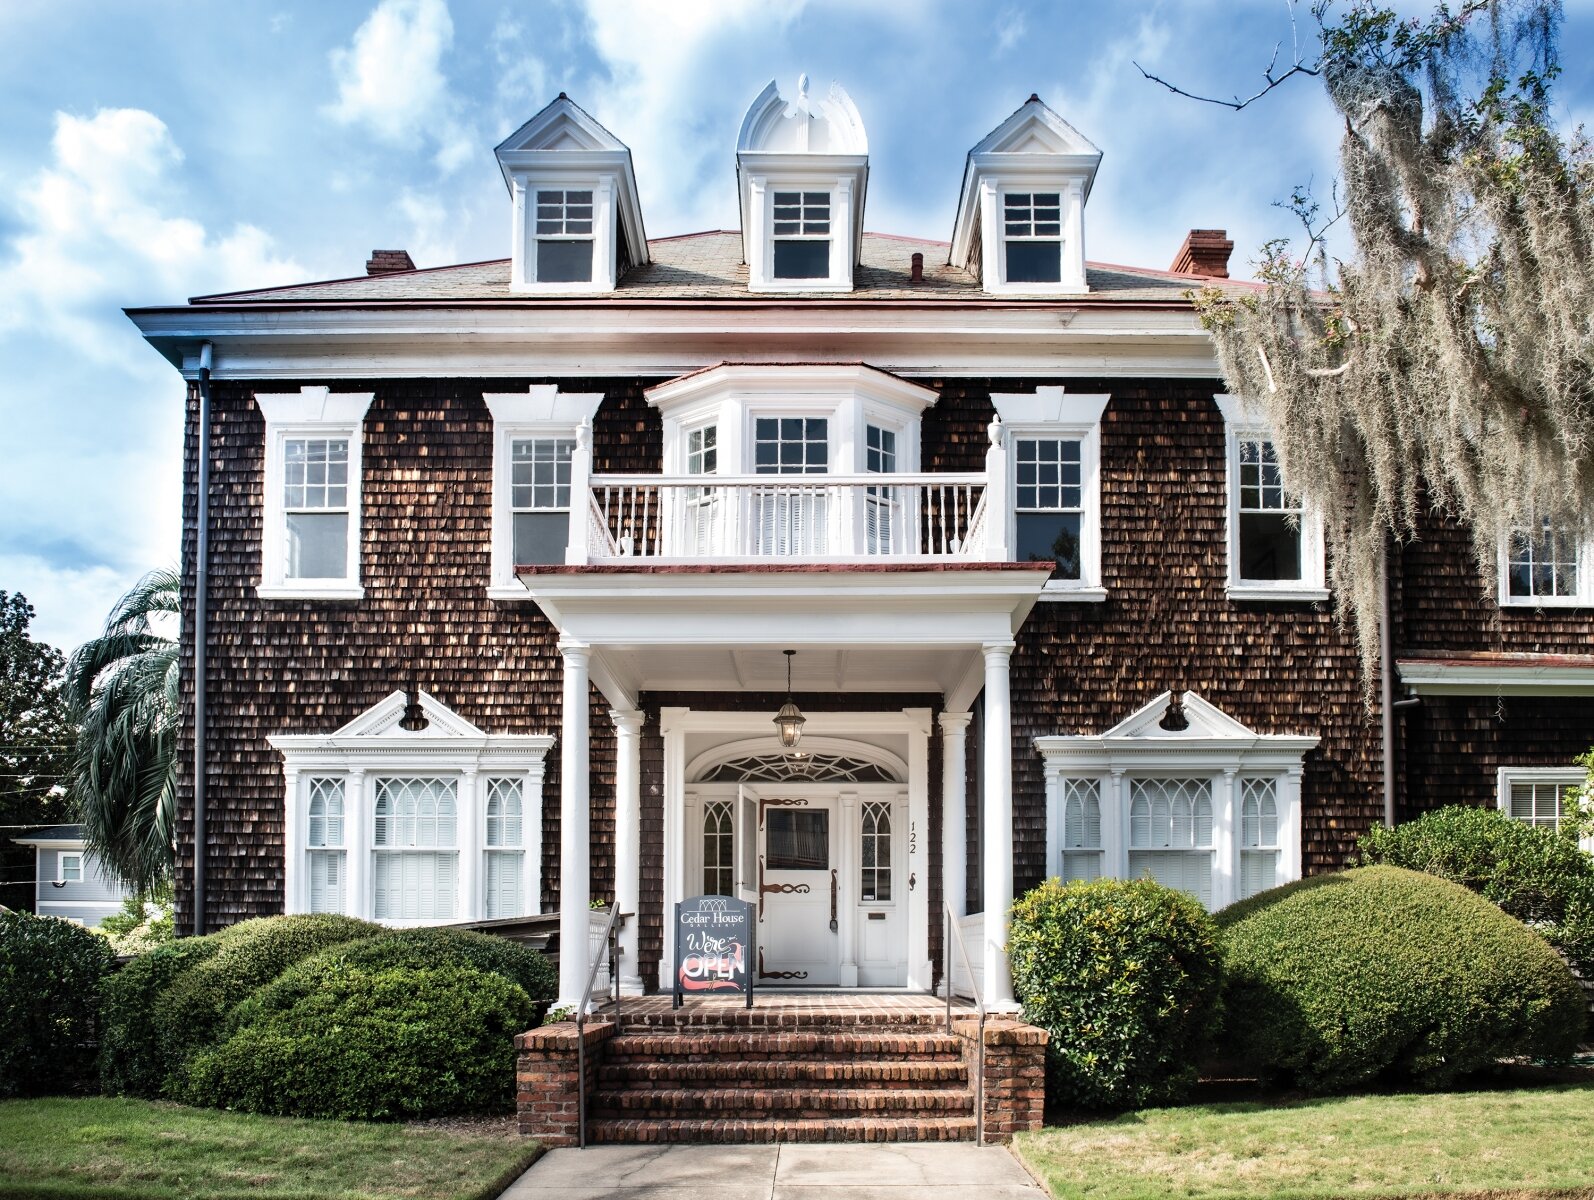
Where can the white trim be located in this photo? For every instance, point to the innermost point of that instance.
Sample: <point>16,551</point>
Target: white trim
<point>312,412</point>
<point>1241,420</point>
<point>705,762</point>
<point>1051,412</point>
<point>1466,679</point>
<point>543,411</point>
<point>1582,598</point>
<point>1568,777</point>
<point>113,905</point>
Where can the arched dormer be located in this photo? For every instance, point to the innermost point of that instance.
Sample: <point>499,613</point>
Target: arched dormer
<point>802,170</point>
<point>1021,215</point>
<point>577,221</point>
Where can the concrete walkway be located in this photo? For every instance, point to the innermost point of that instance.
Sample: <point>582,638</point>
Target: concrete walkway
<point>812,1171</point>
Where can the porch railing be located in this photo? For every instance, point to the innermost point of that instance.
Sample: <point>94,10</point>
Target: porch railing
<point>610,960</point>
<point>954,935</point>
<point>815,518</point>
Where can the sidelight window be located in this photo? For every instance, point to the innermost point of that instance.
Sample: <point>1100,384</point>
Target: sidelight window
<point>505,849</point>
<point>325,839</point>
<point>718,849</point>
<point>876,852</point>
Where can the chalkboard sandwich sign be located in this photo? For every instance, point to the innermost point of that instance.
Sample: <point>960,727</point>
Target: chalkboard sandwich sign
<point>713,947</point>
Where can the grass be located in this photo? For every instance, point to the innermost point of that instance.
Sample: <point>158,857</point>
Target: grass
<point>1517,1143</point>
<point>112,1149</point>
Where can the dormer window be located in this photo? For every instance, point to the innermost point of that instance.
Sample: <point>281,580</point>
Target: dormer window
<point>802,235</point>
<point>564,236</point>
<point>1032,236</point>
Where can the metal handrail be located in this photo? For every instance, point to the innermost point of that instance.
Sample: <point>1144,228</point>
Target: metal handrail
<point>953,933</point>
<point>581,1019</point>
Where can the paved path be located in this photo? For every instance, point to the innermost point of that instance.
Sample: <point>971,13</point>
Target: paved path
<point>887,1171</point>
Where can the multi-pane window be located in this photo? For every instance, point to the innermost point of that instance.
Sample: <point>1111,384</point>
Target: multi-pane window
<point>1538,802</point>
<point>802,235</point>
<point>790,520</point>
<point>539,497</point>
<point>1259,836</point>
<point>1049,499</point>
<point>71,868</point>
<point>505,849</point>
<point>876,849</point>
<point>1081,832</point>
<point>718,848</point>
<point>315,504</point>
<point>1270,517</point>
<point>701,504</point>
<point>1543,566</point>
<point>1170,834</point>
<point>416,849</point>
<point>882,505</point>
<point>1032,236</point>
<point>324,836</point>
<point>564,235</point>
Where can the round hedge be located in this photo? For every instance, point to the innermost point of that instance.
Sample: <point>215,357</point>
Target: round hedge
<point>409,948</point>
<point>1125,976</point>
<point>373,1045</point>
<point>50,976</point>
<point>130,1046</point>
<point>1384,974</point>
<point>190,1011</point>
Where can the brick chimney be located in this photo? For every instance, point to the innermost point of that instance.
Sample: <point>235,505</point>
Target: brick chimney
<point>385,262</point>
<point>1205,252</point>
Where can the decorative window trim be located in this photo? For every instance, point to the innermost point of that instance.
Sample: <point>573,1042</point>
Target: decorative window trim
<point>374,745</point>
<point>1582,598</point>
<point>1565,777</point>
<point>314,412</point>
<point>1212,746</point>
<point>1241,422</point>
<point>1051,413</point>
<point>542,411</point>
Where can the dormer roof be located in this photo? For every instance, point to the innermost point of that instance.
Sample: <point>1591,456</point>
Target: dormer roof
<point>830,126</point>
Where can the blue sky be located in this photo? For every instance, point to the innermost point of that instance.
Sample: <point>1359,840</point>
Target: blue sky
<point>169,148</point>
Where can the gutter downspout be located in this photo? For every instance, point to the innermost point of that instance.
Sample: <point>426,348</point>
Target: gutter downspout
<point>201,596</point>
<point>1386,691</point>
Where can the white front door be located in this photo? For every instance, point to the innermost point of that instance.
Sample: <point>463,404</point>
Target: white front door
<point>798,883</point>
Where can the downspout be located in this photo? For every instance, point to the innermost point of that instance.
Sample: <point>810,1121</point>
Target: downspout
<point>1386,691</point>
<point>201,595</point>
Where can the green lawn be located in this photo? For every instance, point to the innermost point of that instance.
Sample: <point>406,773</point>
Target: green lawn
<point>105,1149</point>
<point>1523,1143</point>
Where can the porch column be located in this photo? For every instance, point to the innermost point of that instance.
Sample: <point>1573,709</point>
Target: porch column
<point>628,840</point>
<point>954,812</point>
<point>998,847</point>
<point>575,820</point>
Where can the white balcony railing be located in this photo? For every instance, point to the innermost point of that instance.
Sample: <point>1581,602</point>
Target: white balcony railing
<point>814,518</point>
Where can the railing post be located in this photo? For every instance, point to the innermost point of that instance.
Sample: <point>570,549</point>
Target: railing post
<point>576,548</point>
<point>998,500</point>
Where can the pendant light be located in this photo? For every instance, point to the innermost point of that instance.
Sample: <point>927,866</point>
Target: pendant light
<point>790,720</point>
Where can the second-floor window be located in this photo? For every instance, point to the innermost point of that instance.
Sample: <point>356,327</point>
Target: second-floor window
<point>791,520</point>
<point>564,236</point>
<point>540,497</point>
<point>1270,518</point>
<point>1049,502</point>
<point>1032,236</point>
<point>802,235</point>
<point>315,505</point>
<point>1546,567</point>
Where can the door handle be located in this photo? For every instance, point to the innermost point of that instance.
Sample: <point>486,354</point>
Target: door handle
<point>834,926</point>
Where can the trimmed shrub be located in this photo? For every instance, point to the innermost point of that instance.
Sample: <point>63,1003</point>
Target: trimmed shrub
<point>50,976</point>
<point>131,1062</point>
<point>410,948</point>
<point>1384,974</point>
<point>190,1011</point>
<point>373,1045</point>
<point>1125,976</point>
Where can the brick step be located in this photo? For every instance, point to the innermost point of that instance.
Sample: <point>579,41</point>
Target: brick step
<point>743,1072</point>
<point>756,1103</point>
<point>751,1045</point>
<point>725,1019</point>
<point>784,1129</point>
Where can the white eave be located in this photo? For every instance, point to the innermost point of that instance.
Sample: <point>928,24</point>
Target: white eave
<point>1449,677</point>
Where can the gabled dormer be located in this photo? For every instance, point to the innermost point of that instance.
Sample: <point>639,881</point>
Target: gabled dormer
<point>802,170</point>
<point>577,220</point>
<point>1021,215</point>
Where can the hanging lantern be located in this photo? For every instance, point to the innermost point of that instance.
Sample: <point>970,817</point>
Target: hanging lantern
<point>790,720</point>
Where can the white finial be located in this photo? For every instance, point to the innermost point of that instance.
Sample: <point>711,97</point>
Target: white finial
<point>802,88</point>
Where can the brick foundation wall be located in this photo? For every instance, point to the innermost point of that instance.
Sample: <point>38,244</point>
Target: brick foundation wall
<point>546,1071</point>
<point>1014,1088</point>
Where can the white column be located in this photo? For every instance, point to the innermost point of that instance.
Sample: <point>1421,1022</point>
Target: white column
<point>920,969</point>
<point>357,829</point>
<point>575,821</point>
<point>576,548</point>
<point>954,813</point>
<point>1226,841</point>
<point>531,831</point>
<point>1290,864</point>
<point>675,824</point>
<point>848,819</point>
<point>1054,822</point>
<point>628,840</point>
<point>998,847</point>
<point>1115,828</point>
<point>468,904</point>
<point>295,887</point>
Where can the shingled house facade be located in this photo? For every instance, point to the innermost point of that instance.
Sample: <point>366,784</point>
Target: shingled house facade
<point>503,561</point>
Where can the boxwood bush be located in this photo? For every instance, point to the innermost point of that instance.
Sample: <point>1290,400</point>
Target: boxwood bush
<point>130,1053</point>
<point>370,1044</point>
<point>50,976</point>
<point>1384,974</point>
<point>1538,875</point>
<point>1125,976</point>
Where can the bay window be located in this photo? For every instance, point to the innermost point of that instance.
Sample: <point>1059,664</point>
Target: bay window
<point>505,853</point>
<point>325,838</point>
<point>417,854</point>
<point>1170,834</point>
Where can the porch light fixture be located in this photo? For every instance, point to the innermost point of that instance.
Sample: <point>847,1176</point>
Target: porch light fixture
<point>790,720</point>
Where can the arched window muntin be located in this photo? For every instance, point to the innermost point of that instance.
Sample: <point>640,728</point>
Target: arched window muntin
<point>1170,814</point>
<point>503,813</point>
<point>718,848</point>
<point>875,833</point>
<point>1081,835</point>
<point>325,813</point>
<point>415,813</point>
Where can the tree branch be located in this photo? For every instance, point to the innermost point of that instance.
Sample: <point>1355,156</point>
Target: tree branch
<point>1236,103</point>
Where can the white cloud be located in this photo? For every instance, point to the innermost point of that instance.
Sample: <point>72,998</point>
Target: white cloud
<point>391,80</point>
<point>431,240</point>
<point>1010,30</point>
<point>70,604</point>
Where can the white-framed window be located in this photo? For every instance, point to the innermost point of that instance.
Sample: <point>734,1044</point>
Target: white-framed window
<point>791,521</point>
<point>802,235</point>
<point>1081,832</point>
<point>875,832</point>
<point>1538,795</point>
<point>505,861</point>
<point>1549,568</point>
<point>801,230</point>
<point>310,536</point>
<point>324,837</point>
<point>534,449</point>
<point>719,847</point>
<point>1053,454</point>
<point>564,235</point>
<point>1275,540</point>
<point>885,520</point>
<point>1170,833</point>
<point>1032,237</point>
<point>417,849</point>
<point>71,868</point>
<point>1259,836</point>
